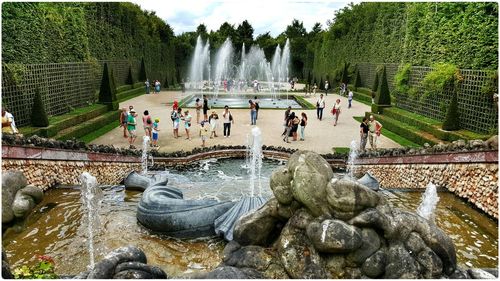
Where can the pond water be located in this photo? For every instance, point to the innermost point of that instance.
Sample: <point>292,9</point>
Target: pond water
<point>241,101</point>
<point>55,229</point>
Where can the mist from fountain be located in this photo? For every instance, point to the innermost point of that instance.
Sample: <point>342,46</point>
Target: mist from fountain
<point>353,155</point>
<point>429,202</point>
<point>144,157</point>
<point>91,197</point>
<point>199,64</point>
<point>255,167</point>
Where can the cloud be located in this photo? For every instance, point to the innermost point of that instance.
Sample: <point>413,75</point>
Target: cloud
<point>263,15</point>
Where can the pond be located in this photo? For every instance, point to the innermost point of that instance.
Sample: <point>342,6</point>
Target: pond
<point>55,229</point>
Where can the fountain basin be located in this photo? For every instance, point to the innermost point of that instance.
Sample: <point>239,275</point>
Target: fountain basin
<point>240,100</point>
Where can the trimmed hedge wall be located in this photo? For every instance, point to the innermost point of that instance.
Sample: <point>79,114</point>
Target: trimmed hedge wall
<point>88,127</point>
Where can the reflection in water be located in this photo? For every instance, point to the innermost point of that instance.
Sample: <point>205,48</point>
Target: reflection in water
<point>55,227</point>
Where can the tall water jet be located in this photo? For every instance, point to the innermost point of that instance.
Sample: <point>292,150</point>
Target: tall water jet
<point>285,61</point>
<point>223,64</point>
<point>144,157</point>
<point>91,197</point>
<point>199,64</point>
<point>353,155</point>
<point>255,160</point>
<point>429,202</point>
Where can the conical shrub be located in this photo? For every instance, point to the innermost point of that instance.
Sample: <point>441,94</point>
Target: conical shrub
<point>142,72</point>
<point>375,82</point>
<point>38,114</point>
<point>345,73</point>
<point>130,77</point>
<point>166,84</point>
<point>452,122</point>
<point>383,95</point>
<point>357,80</point>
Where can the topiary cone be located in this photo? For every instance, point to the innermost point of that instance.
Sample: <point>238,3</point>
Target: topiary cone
<point>452,122</point>
<point>38,114</point>
<point>383,95</point>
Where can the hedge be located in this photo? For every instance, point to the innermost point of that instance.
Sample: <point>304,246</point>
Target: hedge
<point>38,114</point>
<point>89,126</point>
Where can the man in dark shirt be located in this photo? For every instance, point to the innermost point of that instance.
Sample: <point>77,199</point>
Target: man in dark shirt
<point>285,121</point>
<point>205,108</point>
<point>363,131</point>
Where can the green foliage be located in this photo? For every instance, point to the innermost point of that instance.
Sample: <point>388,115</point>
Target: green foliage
<point>166,83</point>
<point>375,82</point>
<point>357,80</point>
<point>44,269</point>
<point>345,73</point>
<point>402,79</point>
<point>38,114</point>
<point>106,90</point>
<point>130,77</point>
<point>383,96</point>
<point>142,72</point>
<point>490,86</point>
<point>451,122</point>
<point>443,75</point>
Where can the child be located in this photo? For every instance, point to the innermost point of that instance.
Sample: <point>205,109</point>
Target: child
<point>203,133</point>
<point>213,120</point>
<point>155,132</point>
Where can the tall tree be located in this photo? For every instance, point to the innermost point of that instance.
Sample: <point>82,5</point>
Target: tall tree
<point>245,33</point>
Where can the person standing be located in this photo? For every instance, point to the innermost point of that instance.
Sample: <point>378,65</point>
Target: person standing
<point>156,132</point>
<point>13,122</point>
<point>315,87</point>
<point>187,123</point>
<point>295,127</point>
<point>320,105</point>
<point>147,124</point>
<point>147,84</point>
<point>349,98</point>
<point>203,133</point>
<point>228,119</point>
<point>374,127</point>
<point>303,123</point>
<point>131,127</point>
<point>198,106</point>
<point>285,120</point>
<point>256,101</point>
<point>327,86</point>
<point>123,121</point>
<point>176,119</point>
<point>6,123</point>
<point>205,108</point>
<point>363,132</point>
<point>157,86</point>
<point>289,125</point>
<point>336,111</point>
<point>253,113</point>
<point>213,120</point>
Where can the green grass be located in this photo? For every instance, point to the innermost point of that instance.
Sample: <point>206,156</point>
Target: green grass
<point>303,102</point>
<point>393,136</point>
<point>99,132</point>
<point>341,150</point>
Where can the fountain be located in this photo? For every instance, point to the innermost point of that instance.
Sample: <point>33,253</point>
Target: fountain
<point>144,157</point>
<point>255,161</point>
<point>353,155</point>
<point>429,203</point>
<point>91,197</point>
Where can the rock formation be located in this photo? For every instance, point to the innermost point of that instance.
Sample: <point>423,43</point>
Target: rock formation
<point>18,198</point>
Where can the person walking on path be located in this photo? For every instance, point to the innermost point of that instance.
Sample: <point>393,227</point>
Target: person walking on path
<point>349,98</point>
<point>187,123</point>
<point>289,124</point>
<point>327,86</point>
<point>315,87</point>
<point>336,111</point>
<point>228,119</point>
<point>131,127</point>
<point>157,87</point>
<point>256,101</point>
<point>147,123</point>
<point>176,120</point>
<point>374,127</point>
<point>203,133</point>
<point>147,84</point>
<point>285,120</point>
<point>253,113</point>
<point>123,121</point>
<point>363,133</point>
<point>205,108</point>
<point>303,124</point>
<point>198,106</point>
<point>213,120</point>
<point>156,132</point>
<point>320,105</point>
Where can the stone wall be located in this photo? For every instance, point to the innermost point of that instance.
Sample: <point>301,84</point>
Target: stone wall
<point>475,182</point>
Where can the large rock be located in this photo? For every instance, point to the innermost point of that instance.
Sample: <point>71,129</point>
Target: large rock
<point>230,272</point>
<point>105,269</point>
<point>6,274</point>
<point>301,219</point>
<point>431,264</point>
<point>298,256</point>
<point>400,264</point>
<point>334,236</point>
<point>137,270</point>
<point>25,200</point>
<point>374,266</point>
<point>310,159</point>
<point>476,273</point>
<point>12,181</point>
<point>280,185</point>
<point>348,198</point>
<point>334,266</point>
<point>250,256</point>
<point>370,244</point>
<point>256,228</point>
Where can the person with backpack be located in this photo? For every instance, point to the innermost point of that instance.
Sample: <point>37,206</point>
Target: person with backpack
<point>256,101</point>
<point>147,124</point>
<point>227,120</point>
<point>176,120</point>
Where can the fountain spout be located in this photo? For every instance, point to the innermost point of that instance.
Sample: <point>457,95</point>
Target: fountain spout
<point>429,202</point>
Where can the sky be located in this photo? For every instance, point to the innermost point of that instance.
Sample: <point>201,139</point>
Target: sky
<point>264,15</point>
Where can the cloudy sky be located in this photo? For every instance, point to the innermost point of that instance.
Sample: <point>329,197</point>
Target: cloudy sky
<point>263,15</point>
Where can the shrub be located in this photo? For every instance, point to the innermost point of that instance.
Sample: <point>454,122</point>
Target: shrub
<point>130,78</point>
<point>166,84</point>
<point>383,95</point>
<point>345,73</point>
<point>375,82</point>
<point>402,79</point>
<point>357,80</point>
<point>142,72</point>
<point>38,114</point>
<point>113,84</point>
<point>107,92</point>
<point>442,76</point>
<point>43,270</point>
<point>451,122</point>
<point>490,87</point>
<point>321,84</point>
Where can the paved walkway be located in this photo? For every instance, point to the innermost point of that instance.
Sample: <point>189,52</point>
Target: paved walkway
<point>320,136</point>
